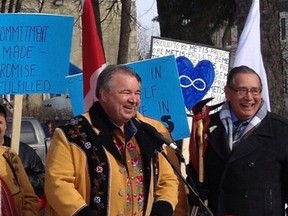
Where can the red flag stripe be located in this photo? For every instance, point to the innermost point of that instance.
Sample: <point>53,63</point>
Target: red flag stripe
<point>92,53</point>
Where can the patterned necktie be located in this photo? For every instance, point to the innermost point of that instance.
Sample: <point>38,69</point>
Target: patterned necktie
<point>238,131</point>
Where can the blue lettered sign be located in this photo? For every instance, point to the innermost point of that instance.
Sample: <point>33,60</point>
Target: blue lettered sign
<point>161,96</point>
<point>75,89</point>
<point>34,53</point>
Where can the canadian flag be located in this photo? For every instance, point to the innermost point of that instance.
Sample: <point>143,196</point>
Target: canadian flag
<point>92,52</point>
<point>249,48</point>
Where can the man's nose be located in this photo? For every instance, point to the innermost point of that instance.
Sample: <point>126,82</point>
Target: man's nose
<point>133,98</point>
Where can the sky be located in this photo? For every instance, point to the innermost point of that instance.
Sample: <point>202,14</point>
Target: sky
<point>146,11</point>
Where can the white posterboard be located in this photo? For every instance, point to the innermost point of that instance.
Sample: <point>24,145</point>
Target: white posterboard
<point>196,53</point>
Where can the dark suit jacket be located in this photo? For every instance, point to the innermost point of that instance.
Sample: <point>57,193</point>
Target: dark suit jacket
<point>252,180</point>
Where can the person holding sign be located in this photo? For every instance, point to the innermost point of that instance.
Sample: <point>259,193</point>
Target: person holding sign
<point>104,163</point>
<point>17,194</point>
<point>246,160</point>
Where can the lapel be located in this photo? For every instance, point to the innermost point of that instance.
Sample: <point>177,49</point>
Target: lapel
<point>217,141</point>
<point>255,139</point>
<point>101,121</point>
<point>146,143</point>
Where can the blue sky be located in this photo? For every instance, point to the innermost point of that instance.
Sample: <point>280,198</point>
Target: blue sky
<point>146,11</point>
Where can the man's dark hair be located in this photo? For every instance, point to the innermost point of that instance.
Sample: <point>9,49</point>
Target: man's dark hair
<point>3,111</point>
<point>237,70</point>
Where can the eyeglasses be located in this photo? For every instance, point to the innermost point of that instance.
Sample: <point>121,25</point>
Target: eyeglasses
<point>244,91</point>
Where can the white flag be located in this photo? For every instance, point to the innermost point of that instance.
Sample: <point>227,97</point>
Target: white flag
<point>249,49</point>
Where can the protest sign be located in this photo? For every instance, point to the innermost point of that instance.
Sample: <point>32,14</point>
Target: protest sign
<point>161,96</point>
<point>196,53</point>
<point>34,58</point>
<point>34,53</point>
<point>75,90</point>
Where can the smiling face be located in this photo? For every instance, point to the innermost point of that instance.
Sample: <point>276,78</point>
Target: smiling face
<point>244,106</point>
<point>122,100</point>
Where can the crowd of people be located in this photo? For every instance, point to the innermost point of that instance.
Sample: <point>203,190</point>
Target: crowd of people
<point>106,162</point>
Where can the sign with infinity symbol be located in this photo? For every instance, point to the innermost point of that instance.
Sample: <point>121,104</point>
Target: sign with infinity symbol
<point>202,69</point>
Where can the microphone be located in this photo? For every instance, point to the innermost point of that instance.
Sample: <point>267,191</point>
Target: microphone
<point>153,132</point>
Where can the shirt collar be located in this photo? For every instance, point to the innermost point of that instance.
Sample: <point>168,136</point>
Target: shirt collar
<point>129,129</point>
<point>235,119</point>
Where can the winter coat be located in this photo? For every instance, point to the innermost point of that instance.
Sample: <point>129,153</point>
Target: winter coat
<point>14,175</point>
<point>181,208</point>
<point>252,180</point>
<point>68,182</point>
<point>32,164</point>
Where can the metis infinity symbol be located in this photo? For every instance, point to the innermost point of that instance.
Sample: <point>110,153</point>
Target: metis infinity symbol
<point>193,83</point>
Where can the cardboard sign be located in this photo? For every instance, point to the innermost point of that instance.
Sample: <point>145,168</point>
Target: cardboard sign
<point>161,96</point>
<point>75,89</point>
<point>34,53</point>
<point>196,53</point>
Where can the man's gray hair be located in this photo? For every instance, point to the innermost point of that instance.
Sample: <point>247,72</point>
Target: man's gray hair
<point>237,70</point>
<point>104,79</point>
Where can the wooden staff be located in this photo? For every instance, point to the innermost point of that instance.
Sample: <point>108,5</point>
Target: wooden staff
<point>200,143</point>
<point>201,151</point>
<point>16,124</point>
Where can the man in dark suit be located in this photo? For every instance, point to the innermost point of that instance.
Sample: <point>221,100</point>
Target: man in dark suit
<point>246,161</point>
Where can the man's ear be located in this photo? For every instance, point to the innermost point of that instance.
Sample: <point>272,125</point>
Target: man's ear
<point>103,94</point>
<point>227,92</point>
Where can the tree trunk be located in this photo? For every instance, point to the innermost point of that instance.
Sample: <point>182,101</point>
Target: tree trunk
<point>18,6</point>
<point>96,9</point>
<point>3,6</point>
<point>125,30</point>
<point>272,55</point>
<point>11,4</point>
